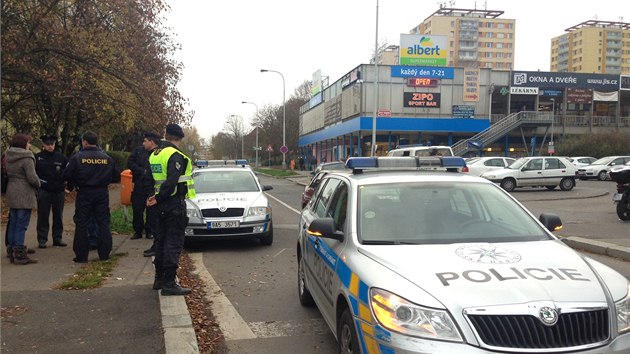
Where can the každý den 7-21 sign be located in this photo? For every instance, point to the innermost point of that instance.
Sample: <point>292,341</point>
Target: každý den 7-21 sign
<point>422,99</point>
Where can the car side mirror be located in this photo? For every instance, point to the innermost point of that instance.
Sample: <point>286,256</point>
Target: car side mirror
<point>266,188</point>
<point>325,228</point>
<point>551,221</point>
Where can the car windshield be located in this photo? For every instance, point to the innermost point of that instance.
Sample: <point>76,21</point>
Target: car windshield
<point>334,166</point>
<point>217,181</point>
<point>442,213</point>
<point>603,161</point>
<point>518,164</point>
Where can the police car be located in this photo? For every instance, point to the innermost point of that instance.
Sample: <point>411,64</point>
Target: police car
<point>401,260</point>
<point>230,203</point>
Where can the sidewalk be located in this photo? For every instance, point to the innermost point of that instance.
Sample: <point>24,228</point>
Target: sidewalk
<point>124,315</point>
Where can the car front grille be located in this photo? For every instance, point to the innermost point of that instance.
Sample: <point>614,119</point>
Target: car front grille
<point>234,231</point>
<point>216,213</point>
<point>528,332</point>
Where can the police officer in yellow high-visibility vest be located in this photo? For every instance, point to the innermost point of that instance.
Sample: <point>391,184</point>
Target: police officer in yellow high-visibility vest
<point>172,174</point>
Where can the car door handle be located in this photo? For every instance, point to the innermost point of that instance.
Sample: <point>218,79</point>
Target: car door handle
<point>540,173</point>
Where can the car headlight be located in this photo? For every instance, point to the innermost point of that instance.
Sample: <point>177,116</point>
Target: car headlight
<point>402,316</point>
<point>623,313</point>
<point>258,211</point>
<point>488,176</point>
<point>193,213</point>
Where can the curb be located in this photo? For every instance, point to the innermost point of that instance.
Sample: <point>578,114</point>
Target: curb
<point>179,333</point>
<point>598,247</point>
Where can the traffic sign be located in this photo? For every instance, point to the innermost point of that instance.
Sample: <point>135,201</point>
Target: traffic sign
<point>269,148</point>
<point>284,149</point>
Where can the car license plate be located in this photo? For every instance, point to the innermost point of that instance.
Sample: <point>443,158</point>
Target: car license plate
<point>617,197</point>
<point>224,224</point>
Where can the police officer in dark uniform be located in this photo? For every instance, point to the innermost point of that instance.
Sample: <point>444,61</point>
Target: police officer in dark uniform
<point>49,165</point>
<point>91,170</point>
<point>138,163</point>
<point>172,174</point>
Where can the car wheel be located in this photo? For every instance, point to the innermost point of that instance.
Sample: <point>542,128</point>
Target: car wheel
<point>566,184</point>
<point>623,209</point>
<point>551,187</point>
<point>509,184</point>
<point>347,334</point>
<point>602,175</point>
<point>267,238</point>
<point>304,294</point>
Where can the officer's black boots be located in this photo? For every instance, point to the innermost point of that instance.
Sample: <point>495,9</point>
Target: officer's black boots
<point>59,243</point>
<point>20,255</point>
<point>136,236</point>
<point>158,283</point>
<point>172,288</point>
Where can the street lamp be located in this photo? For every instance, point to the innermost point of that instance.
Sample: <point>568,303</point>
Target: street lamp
<point>284,117</point>
<point>375,86</point>
<point>256,147</point>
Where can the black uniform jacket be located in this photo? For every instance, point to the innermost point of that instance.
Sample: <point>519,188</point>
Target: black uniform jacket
<point>91,167</point>
<point>49,167</point>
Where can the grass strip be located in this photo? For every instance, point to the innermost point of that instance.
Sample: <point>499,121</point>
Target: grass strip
<point>92,274</point>
<point>118,223</point>
<point>274,172</point>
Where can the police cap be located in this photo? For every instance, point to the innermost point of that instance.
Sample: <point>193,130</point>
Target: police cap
<point>48,138</point>
<point>174,130</point>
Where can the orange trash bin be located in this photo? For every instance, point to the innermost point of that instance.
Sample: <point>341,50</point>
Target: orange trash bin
<point>126,186</point>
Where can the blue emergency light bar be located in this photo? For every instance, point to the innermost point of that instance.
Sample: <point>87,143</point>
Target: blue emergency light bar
<point>450,163</point>
<point>221,163</point>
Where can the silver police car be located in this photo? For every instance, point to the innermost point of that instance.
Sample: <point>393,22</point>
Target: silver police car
<point>401,260</point>
<point>230,203</point>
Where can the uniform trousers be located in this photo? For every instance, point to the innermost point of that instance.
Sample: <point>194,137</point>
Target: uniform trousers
<point>45,202</point>
<point>169,244</point>
<point>138,205</point>
<point>92,201</point>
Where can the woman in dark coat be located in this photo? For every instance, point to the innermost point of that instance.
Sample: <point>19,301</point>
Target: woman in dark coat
<point>21,195</point>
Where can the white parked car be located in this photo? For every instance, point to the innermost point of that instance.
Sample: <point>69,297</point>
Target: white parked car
<point>581,161</point>
<point>230,203</point>
<point>421,150</point>
<point>599,169</point>
<point>480,165</point>
<point>401,260</point>
<point>535,171</point>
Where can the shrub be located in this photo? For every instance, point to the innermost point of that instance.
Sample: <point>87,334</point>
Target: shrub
<point>120,159</point>
<point>596,145</point>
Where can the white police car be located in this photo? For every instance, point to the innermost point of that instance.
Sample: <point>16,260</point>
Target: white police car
<point>230,203</point>
<point>405,261</point>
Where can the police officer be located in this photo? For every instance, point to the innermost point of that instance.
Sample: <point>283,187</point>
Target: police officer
<point>172,174</point>
<point>91,170</point>
<point>49,165</point>
<point>138,163</point>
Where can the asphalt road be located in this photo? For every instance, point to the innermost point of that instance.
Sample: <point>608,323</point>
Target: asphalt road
<point>260,282</point>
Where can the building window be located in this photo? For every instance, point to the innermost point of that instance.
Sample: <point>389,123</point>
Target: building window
<point>489,45</point>
<point>488,34</point>
<point>509,45</point>
<point>500,25</point>
<point>499,65</point>
<point>499,45</point>
<point>499,55</point>
<point>501,35</point>
<point>489,65</point>
<point>452,23</point>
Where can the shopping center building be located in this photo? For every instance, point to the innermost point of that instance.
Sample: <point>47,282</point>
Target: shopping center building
<point>474,110</point>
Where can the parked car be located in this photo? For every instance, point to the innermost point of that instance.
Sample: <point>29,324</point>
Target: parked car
<point>421,150</point>
<point>480,165</point>
<point>329,166</point>
<point>599,169</point>
<point>230,203</point>
<point>535,171</point>
<point>416,261</point>
<point>581,161</point>
<point>312,186</point>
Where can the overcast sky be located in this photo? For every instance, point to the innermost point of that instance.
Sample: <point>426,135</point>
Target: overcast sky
<point>226,43</point>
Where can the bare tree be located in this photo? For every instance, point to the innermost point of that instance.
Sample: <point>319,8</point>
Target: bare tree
<point>235,129</point>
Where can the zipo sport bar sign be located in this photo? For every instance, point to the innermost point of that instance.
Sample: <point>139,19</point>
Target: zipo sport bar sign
<point>422,99</point>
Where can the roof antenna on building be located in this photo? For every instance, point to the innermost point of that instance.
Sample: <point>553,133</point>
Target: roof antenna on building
<point>485,5</point>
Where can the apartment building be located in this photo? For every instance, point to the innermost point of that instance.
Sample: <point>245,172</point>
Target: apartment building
<point>593,47</point>
<point>476,38</point>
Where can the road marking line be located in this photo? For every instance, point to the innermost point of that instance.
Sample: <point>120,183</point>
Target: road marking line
<point>273,329</point>
<point>230,321</point>
<point>283,203</point>
<point>277,254</point>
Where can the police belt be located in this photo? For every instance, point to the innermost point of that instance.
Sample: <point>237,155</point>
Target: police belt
<point>181,179</point>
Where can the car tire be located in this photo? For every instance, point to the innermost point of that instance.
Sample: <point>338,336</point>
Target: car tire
<point>602,175</point>
<point>509,184</point>
<point>566,184</point>
<point>347,334</point>
<point>306,299</point>
<point>623,211</point>
<point>267,238</point>
<point>551,187</point>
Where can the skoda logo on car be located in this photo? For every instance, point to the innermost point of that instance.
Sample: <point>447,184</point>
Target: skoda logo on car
<point>548,316</point>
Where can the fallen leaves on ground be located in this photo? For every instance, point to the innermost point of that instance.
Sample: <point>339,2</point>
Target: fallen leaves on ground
<point>209,336</point>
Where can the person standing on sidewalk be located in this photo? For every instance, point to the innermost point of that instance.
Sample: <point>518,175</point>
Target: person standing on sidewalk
<point>150,143</point>
<point>49,165</point>
<point>91,170</point>
<point>21,195</point>
<point>172,175</point>
<point>138,163</point>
